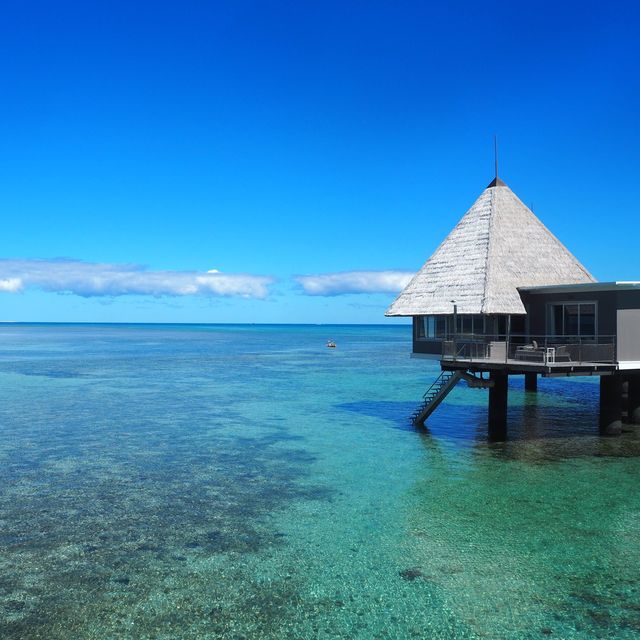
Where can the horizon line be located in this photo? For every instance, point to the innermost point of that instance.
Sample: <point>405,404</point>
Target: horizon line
<point>247,324</point>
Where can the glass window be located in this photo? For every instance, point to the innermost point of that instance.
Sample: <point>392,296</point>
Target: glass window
<point>588,320</point>
<point>432,327</point>
<point>518,325</point>
<point>571,320</point>
<point>451,330</point>
<point>426,321</point>
<point>501,325</point>
<point>557,326</point>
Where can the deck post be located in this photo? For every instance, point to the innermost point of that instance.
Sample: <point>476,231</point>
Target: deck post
<point>498,395</point>
<point>531,381</point>
<point>625,398</point>
<point>634,399</point>
<point>611,405</point>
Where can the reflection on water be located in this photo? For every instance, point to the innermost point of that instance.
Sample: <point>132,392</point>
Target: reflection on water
<point>246,482</point>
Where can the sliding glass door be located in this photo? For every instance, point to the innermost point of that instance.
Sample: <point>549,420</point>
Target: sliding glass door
<point>573,319</point>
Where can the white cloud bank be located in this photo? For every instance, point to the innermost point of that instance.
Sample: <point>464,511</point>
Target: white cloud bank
<point>335,284</point>
<point>90,279</point>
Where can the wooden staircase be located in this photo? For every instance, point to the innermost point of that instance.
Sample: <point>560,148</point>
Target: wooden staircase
<point>435,394</point>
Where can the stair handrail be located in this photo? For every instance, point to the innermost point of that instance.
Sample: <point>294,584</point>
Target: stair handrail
<point>443,383</point>
<point>435,382</point>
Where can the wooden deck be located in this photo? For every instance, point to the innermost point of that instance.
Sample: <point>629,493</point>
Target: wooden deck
<point>512,366</point>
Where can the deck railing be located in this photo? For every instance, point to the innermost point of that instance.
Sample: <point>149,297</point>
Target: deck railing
<point>534,349</point>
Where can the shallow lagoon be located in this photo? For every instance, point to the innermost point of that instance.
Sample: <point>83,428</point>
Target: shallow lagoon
<point>247,482</point>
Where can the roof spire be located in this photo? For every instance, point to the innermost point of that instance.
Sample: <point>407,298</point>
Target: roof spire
<point>496,182</point>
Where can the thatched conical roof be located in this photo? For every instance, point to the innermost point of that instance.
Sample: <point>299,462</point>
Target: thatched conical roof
<point>498,246</point>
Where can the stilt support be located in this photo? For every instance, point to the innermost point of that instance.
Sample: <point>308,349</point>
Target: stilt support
<point>530,381</point>
<point>634,399</point>
<point>498,395</point>
<point>611,405</point>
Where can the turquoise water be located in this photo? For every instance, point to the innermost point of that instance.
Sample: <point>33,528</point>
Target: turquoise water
<point>246,482</point>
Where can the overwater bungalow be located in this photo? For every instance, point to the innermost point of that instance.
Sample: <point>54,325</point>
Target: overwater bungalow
<point>503,296</point>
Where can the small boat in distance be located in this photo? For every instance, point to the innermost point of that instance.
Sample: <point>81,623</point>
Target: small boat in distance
<point>331,344</point>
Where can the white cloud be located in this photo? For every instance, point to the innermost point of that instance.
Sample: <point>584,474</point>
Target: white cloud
<point>10,284</point>
<point>334,284</point>
<point>90,279</point>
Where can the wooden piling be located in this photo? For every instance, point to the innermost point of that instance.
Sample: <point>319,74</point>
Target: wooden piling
<point>633,401</point>
<point>531,381</point>
<point>498,401</point>
<point>611,405</point>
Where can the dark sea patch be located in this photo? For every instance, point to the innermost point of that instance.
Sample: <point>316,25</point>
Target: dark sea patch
<point>411,574</point>
<point>45,369</point>
<point>396,413</point>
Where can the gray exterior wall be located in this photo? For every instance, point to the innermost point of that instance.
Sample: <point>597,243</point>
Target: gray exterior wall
<point>628,325</point>
<point>628,335</point>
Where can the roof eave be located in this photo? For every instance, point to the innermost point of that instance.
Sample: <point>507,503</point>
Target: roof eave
<point>582,286</point>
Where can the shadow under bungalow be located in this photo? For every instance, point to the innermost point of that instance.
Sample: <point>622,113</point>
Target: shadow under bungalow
<point>503,296</point>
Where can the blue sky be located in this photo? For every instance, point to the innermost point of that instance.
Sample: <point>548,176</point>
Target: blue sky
<point>144,144</point>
